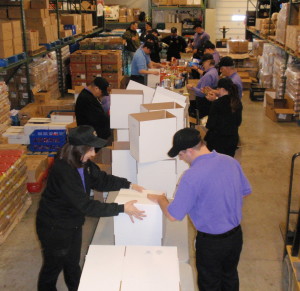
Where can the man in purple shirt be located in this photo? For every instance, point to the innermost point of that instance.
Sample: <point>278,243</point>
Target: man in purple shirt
<point>200,38</point>
<point>210,79</point>
<point>211,192</point>
<point>210,48</point>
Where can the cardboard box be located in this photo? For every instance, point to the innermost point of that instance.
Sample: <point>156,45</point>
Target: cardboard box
<point>42,97</point>
<point>153,80</point>
<point>16,135</point>
<point>123,103</point>
<point>160,176</point>
<point>37,13</point>
<point>62,117</point>
<point>147,91</point>
<point>292,36</point>
<point>3,13</point>
<point>16,28</point>
<point>38,4</point>
<point>18,45</point>
<point>36,123</point>
<point>74,19</point>
<point>121,134</point>
<point>103,156</point>
<point>6,31</point>
<point>45,34</point>
<point>279,109</point>
<point>35,23</point>
<point>151,135</point>
<point>237,46</point>
<point>123,164</point>
<point>147,232</point>
<point>6,48</point>
<point>172,107</point>
<point>14,12</point>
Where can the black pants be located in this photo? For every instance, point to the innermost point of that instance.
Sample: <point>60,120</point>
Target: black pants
<point>61,252</point>
<point>217,259</point>
<point>138,78</point>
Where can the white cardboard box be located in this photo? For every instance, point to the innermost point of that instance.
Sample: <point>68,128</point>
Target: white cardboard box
<point>36,123</point>
<point>123,103</point>
<point>121,134</point>
<point>160,271</point>
<point>147,232</point>
<point>56,125</point>
<point>123,164</point>
<point>148,92</point>
<point>127,268</point>
<point>151,135</point>
<point>16,135</point>
<point>181,167</point>
<point>172,107</point>
<point>58,118</point>
<point>159,176</point>
<point>153,80</point>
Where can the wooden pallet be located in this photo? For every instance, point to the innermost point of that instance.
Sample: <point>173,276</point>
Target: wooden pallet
<point>37,51</point>
<point>17,219</point>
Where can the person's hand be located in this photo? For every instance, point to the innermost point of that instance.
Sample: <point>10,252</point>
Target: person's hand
<point>206,90</point>
<point>134,37</point>
<point>188,50</point>
<point>132,211</point>
<point>200,72</point>
<point>211,96</point>
<point>154,197</point>
<point>137,187</point>
<point>189,86</point>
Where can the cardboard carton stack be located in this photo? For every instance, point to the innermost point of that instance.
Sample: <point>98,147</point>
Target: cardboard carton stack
<point>102,43</point>
<point>71,22</point>
<point>5,120</point>
<point>144,138</point>
<point>86,65</point>
<point>237,46</point>
<point>293,85</point>
<point>38,18</point>
<point>292,36</point>
<point>265,26</point>
<point>6,40</point>
<point>32,37</point>
<point>14,12</point>
<point>37,165</point>
<point>14,198</point>
<point>257,46</point>
<point>279,76</point>
<point>87,22</point>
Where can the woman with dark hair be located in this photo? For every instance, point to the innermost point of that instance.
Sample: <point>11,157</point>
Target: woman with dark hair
<point>66,201</point>
<point>224,119</point>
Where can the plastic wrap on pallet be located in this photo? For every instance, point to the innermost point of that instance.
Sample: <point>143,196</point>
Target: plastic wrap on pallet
<point>279,76</point>
<point>282,19</point>
<point>293,84</point>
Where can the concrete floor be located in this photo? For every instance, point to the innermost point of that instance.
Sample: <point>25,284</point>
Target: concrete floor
<point>266,154</point>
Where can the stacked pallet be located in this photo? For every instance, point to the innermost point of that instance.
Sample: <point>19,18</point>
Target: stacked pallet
<point>86,65</point>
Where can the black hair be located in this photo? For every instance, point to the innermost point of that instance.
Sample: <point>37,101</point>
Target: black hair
<point>149,23</point>
<point>232,89</point>
<point>149,45</point>
<point>73,154</point>
<point>142,16</point>
<point>197,25</point>
<point>209,45</point>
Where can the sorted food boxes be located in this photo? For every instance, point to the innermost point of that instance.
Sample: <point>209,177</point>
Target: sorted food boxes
<point>237,46</point>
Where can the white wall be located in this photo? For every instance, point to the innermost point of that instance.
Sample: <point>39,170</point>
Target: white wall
<point>224,11</point>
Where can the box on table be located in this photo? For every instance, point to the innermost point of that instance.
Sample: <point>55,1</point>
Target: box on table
<point>147,91</point>
<point>172,107</point>
<point>151,135</point>
<point>159,176</point>
<point>123,164</point>
<point>65,117</point>
<point>121,134</point>
<point>153,80</point>
<point>123,103</point>
<point>237,46</point>
<point>42,97</point>
<point>16,135</point>
<point>279,109</point>
<point>148,231</point>
<point>36,123</point>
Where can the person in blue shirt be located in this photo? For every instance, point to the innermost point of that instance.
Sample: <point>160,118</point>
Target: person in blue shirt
<point>209,79</point>
<point>200,38</point>
<point>210,48</point>
<point>211,192</point>
<point>141,63</point>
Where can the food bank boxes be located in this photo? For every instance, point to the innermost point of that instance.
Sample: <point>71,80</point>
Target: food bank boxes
<point>123,103</point>
<point>151,135</point>
<point>147,232</point>
<point>130,268</point>
<point>148,92</point>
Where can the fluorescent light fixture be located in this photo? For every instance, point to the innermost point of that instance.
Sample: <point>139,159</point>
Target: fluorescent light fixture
<point>238,17</point>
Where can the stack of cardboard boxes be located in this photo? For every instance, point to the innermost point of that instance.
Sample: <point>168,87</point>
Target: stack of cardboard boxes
<point>86,65</point>
<point>5,120</point>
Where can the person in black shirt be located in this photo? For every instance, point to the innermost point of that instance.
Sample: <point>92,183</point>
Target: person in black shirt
<point>154,55</point>
<point>176,44</point>
<point>224,119</point>
<point>66,201</point>
<point>89,110</point>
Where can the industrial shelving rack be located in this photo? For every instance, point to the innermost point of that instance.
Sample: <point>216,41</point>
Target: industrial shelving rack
<point>73,6</point>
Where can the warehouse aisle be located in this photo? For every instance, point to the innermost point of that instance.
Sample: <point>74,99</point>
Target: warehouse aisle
<point>266,154</point>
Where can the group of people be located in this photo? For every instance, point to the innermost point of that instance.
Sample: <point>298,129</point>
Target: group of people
<point>211,191</point>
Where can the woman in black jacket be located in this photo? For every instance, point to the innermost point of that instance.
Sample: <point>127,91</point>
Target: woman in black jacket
<point>66,201</point>
<point>224,119</point>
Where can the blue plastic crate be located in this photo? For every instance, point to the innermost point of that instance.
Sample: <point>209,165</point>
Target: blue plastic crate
<point>10,60</point>
<point>47,140</point>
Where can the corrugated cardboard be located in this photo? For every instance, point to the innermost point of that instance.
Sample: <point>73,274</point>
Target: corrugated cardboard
<point>6,31</point>
<point>6,48</point>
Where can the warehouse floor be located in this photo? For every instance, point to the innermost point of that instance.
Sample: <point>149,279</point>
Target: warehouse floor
<point>266,154</point>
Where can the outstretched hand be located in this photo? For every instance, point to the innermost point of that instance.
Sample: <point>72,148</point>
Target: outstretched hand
<point>132,211</point>
<point>137,187</point>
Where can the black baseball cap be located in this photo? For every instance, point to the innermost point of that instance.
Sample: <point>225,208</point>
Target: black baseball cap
<point>226,62</point>
<point>207,57</point>
<point>85,135</point>
<point>102,84</point>
<point>184,139</point>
